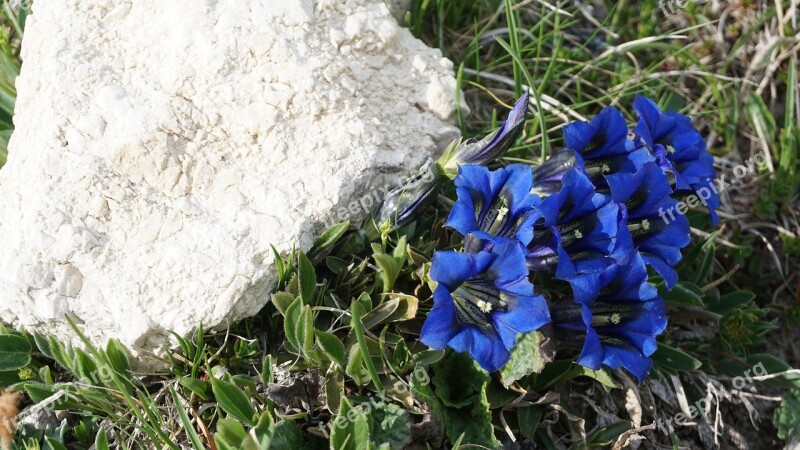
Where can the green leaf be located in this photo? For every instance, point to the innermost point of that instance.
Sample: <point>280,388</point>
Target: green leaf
<point>460,385</point>
<point>365,301</point>
<point>787,416</point>
<point>46,375</point>
<point>62,354</point>
<point>15,352</point>
<point>406,307</point>
<point>764,363</point>
<point>187,424</point>
<point>287,434</point>
<point>299,327</point>
<point>282,300</point>
<point>529,418</point>
<point>552,373</point>
<point>673,360</point>
<point>328,238</point>
<point>266,369</point>
<point>260,436</point>
<point>355,368</point>
<point>708,260</point>
<point>600,376</point>
<point>390,268</point>
<point>563,370</point>
<point>233,401</point>
<point>42,344</point>
<point>307,332</point>
<point>388,424</point>
<point>293,324</point>
<point>605,437</point>
<point>527,357</point>
<point>760,117</point>
<point>40,392</point>
<point>428,357</point>
<point>197,386</point>
<point>52,444</point>
<point>118,356</point>
<point>358,329</point>
<point>379,314</point>
<point>308,278</point>
<point>9,377</point>
<point>101,440</point>
<point>685,294</point>
<point>731,301</point>
<point>350,429</point>
<point>334,388</point>
<point>230,434</point>
<point>86,369</point>
<point>332,347</point>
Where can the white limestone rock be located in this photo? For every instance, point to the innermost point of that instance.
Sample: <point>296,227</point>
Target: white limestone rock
<point>162,146</point>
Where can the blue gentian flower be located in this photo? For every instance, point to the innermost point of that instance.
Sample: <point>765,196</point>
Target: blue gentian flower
<point>679,149</point>
<point>645,199</point>
<point>574,229</point>
<point>604,145</point>
<point>618,326</point>
<point>483,151</point>
<point>605,135</point>
<point>482,302</point>
<point>494,203</point>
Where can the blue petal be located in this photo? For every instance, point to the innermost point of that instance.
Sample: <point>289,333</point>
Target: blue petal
<point>488,351</point>
<point>451,268</point>
<point>666,271</point>
<point>576,199</point>
<point>462,216</point>
<point>525,314</point>
<point>642,330</point>
<point>605,135</point>
<point>649,115</point>
<point>497,202</point>
<point>642,192</point>
<point>441,325</point>
<point>509,270</point>
<point>577,135</point>
<point>592,353</point>
<point>629,358</point>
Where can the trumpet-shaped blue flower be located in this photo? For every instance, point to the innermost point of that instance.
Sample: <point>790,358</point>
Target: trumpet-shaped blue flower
<point>679,149</point>
<point>619,324</point>
<point>482,302</point>
<point>483,151</point>
<point>574,229</point>
<point>605,135</point>
<point>645,198</point>
<point>605,145</point>
<point>494,203</point>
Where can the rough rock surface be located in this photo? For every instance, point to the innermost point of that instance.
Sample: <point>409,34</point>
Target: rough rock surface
<point>162,146</point>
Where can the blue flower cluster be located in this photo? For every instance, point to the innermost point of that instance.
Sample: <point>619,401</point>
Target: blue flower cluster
<point>591,217</point>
